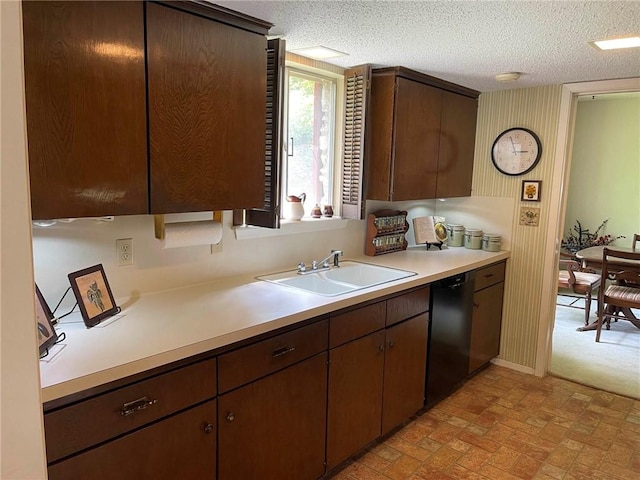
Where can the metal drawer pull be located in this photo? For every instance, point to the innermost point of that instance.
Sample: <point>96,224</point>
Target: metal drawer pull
<point>231,417</point>
<point>136,405</point>
<point>488,275</point>
<point>282,351</point>
<point>208,428</point>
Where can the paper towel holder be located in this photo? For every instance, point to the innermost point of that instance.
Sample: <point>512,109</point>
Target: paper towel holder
<point>158,223</point>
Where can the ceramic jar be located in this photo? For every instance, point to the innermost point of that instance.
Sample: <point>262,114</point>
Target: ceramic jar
<point>491,242</point>
<point>316,212</point>
<point>327,211</point>
<point>455,234</point>
<point>473,238</point>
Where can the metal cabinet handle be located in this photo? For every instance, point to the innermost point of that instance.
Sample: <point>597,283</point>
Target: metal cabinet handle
<point>381,347</point>
<point>208,428</point>
<point>488,275</point>
<point>391,344</point>
<point>137,405</point>
<point>282,351</point>
<point>231,417</point>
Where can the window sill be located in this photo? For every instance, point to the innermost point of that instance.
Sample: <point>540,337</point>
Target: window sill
<point>307,225</point>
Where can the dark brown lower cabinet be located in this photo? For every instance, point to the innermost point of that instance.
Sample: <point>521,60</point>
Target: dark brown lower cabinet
<point>355,404</point>
<point>181,446</point>
<point>275,427</point>
<point>486,324</point>
<point>404,370</point>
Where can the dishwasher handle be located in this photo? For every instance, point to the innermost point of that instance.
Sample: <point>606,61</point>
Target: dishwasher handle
<point>456,281</point>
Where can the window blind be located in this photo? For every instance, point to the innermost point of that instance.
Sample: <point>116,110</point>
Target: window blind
<point>357,87</point>
<point>269,215</point>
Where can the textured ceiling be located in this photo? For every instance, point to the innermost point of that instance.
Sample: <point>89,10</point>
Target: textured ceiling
<point>465,42</point>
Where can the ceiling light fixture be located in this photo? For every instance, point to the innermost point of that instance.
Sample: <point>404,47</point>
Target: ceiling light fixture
<point>319,52</point>
<point>616,43</point>
<point>508,76</point>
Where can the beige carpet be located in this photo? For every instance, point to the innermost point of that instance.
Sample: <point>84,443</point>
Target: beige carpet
<point>613,364</point>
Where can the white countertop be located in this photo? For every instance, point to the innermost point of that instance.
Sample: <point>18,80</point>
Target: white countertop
<point>158,328</point>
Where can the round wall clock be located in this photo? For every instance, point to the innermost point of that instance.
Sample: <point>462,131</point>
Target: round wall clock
<point>516,151</point>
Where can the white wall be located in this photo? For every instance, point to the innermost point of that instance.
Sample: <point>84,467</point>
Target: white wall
<point>65,248</point>
<point>21,440</point>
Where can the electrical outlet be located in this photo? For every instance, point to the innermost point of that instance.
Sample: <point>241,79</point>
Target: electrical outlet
<point>124,251</point>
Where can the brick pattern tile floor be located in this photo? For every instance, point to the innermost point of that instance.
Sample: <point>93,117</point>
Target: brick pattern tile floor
<point>503,424</point>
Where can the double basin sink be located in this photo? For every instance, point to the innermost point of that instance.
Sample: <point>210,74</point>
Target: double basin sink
<point>350,276</point>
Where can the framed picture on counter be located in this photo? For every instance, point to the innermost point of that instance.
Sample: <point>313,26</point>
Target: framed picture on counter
<point>93,294</point>
<point>47,335</point>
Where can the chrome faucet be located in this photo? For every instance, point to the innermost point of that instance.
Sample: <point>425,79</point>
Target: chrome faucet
<point>322,264</point>
<point>335,254</point>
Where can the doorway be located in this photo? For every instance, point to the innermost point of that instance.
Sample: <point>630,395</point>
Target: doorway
<point>562,164</point>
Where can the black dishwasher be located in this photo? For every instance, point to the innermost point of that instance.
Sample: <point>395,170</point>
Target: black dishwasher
<point>449,335</point>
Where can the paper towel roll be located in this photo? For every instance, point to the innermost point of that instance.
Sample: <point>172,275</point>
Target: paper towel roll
<point>188,234</point>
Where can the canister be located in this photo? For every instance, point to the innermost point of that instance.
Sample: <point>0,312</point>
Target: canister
<point>456,235</point>
<point>473,238</point>
<point>491,242</point>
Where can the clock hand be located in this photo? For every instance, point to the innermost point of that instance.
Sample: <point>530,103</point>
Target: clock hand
<point>523,151</point>
<point>513,145</point>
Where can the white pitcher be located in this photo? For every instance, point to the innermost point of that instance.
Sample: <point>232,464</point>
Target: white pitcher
<point>294,207</point>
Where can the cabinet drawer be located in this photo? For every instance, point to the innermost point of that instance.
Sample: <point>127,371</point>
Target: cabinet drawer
<point>92,421</point>
<point>254,361</point>
<point>407,305</point>
<point>182,446</point>
<point>490,275</point>
<point>357,323</point>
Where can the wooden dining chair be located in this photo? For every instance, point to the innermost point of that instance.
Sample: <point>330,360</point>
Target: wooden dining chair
<point>623,294</point>
<point>570,277</point>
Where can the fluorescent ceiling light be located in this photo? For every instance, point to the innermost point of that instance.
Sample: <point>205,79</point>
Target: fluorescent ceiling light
<point>508,76</point>
<point>319,52</point>
<point>615,43</point>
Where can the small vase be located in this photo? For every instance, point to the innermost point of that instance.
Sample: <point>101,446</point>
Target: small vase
<point>316,212</point>
<point>328,211</point>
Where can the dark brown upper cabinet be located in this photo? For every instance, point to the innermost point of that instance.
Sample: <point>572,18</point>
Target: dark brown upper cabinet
<point>92,109</point>
<point>422,137</point>
<point>86,111</point>
<point>207,90</point>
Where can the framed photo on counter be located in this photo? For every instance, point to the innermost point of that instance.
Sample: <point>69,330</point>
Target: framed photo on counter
<point>93,294</point>
<point>47,335</point>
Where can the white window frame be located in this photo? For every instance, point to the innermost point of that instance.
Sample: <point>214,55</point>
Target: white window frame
<point>338,123</point>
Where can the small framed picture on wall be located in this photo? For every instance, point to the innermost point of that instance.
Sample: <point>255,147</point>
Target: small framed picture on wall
<point>531,190</point>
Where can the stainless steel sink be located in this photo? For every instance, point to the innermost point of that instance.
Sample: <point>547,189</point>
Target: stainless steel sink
<point>350,276</point>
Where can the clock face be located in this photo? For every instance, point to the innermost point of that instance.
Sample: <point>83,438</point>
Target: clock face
<point>516,151</point>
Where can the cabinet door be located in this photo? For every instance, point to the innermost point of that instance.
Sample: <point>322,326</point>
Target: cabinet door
<point>86,109</point>
<point>207,102</point>
<point>182,446</point>
<point>355,396</point>
<point>404,370</point>
<point>417,140</point>
<point>486,324</point>
<point>276,427</point>
<point>457,145</point>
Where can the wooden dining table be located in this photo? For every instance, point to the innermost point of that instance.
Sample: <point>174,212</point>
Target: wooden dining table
<point>591,257</point>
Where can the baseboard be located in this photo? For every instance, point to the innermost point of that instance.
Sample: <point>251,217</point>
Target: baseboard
<point>513,366</point>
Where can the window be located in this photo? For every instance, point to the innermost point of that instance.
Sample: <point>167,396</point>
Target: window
<point>310,112</point>
<point>314,141</point>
